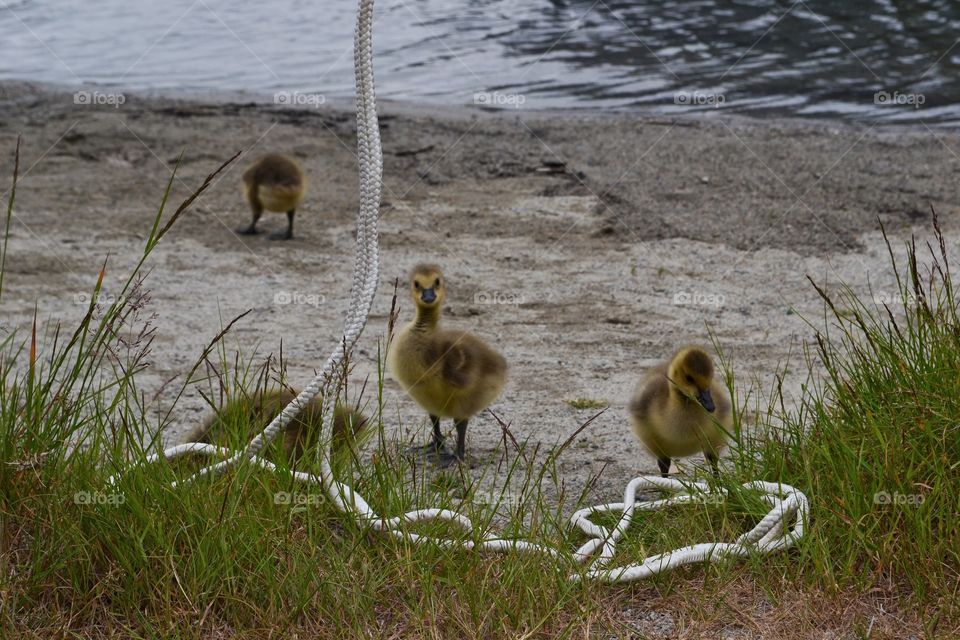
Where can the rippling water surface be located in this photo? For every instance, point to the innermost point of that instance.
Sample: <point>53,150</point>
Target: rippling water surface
<point>865,60</point>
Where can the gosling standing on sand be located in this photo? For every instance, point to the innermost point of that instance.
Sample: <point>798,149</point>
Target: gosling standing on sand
<point>451,374</point>
<point>679,409</point>
<point>274,183</point>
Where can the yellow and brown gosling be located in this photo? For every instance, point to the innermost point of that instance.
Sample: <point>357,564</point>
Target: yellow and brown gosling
<point>451,374</point>
<point>679,409</point>
<point>274,182</point>
<point>242,418</point>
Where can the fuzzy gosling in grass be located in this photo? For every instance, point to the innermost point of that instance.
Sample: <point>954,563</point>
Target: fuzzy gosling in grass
<point>451,374</point>
<point>273,183</point>
<point>680,409</point>
<point>242,418</point>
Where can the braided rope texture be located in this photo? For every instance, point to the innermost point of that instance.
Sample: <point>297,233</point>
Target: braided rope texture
<point>779,529</point>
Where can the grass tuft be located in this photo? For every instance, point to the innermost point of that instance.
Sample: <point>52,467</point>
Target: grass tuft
<point>587,403</point>
<point>876,437</point>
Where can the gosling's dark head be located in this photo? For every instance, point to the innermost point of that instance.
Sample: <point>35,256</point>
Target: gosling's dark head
<point>691,371</point>
<point>427,286</point>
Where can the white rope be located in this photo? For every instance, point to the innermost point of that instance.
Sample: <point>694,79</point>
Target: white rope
<point>780,528</point>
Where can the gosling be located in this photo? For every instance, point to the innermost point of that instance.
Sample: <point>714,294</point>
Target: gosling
<point>679,409</point>
<point>252,413</point>
<point>274,183</point>
<point>451,374</point>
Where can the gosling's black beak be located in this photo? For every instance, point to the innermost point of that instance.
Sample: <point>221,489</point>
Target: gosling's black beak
<point>428,295</point>
<point>706,400</point>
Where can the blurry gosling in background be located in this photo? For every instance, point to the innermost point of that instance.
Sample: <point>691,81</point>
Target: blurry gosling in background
<point>451,374</point>
<point>273,183</point>
<point>243,418</point>
<point>679,409</point>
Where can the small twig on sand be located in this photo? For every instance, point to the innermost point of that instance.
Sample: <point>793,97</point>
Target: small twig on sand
<point>505,428</point>
<point>394,312</point>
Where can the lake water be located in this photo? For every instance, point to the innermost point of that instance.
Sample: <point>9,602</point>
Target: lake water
<point>863,60</point>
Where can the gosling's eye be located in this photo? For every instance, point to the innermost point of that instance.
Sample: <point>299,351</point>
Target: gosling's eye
<point>437,283</point>
<point>416,285</point>
<point>690,379</point>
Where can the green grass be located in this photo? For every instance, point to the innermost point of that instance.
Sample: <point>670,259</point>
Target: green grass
<point>587,403</point>
<point>876,438</point>
<point>236,554</point>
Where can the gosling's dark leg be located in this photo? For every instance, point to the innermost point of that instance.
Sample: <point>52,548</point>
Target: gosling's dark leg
<point>252,229</point>
<point>445,458</point>
<point>664,464</point>
<point>435,446</point>
<point>288,234</point>
<point>461,451</point>
<point>713,460</point>
<point>437,442</point>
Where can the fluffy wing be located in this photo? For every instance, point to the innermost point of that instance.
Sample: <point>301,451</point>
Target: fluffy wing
<point>461,358</point>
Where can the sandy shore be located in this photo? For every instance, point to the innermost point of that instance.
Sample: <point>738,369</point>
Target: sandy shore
<point>587,248</point>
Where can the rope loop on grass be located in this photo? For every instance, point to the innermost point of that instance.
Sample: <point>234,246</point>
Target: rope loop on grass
<point>780,528</point>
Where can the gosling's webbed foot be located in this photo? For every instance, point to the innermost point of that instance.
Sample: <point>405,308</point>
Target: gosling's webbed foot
<point>435,446</point>
<point>423,449</point>
<point>445,459</point>
<point>249,231</point>
<point>434,453</point>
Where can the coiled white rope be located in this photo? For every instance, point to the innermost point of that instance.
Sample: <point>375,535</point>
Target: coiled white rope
<point>780,528</point>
